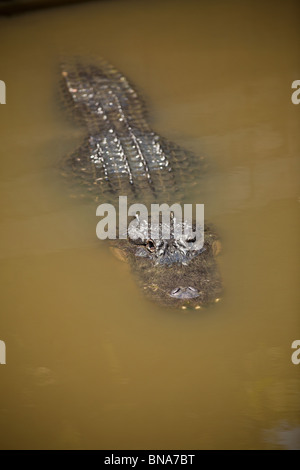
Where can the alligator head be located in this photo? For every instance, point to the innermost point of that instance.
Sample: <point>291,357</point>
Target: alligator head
<point>176,272</point>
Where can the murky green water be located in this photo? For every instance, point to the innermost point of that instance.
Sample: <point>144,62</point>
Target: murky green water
<point>90,363</point>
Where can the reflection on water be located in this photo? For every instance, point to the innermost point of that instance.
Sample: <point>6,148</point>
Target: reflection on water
<point>90,363</point>
<point>272,397</point>
<point>284,436</point>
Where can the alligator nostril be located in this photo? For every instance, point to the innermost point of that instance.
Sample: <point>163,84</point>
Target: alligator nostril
<point>184,293</point>
<point>192,289</point>
<point>175,291</point>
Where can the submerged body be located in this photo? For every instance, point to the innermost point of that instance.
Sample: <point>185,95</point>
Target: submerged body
<point>122,155</point>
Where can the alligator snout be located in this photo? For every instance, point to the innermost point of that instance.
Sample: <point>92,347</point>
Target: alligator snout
<point>184,293</point>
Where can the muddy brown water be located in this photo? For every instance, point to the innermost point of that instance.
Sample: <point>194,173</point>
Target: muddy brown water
<point>91,363</point>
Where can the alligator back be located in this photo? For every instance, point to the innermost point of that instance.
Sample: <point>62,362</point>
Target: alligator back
<point>121,154</point>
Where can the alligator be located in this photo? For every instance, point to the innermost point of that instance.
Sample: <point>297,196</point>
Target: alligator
<point>123,155</point>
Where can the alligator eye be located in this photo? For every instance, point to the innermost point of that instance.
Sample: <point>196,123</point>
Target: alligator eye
<point>150,246</point>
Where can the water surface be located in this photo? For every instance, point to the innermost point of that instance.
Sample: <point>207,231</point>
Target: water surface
<point>90,363</point>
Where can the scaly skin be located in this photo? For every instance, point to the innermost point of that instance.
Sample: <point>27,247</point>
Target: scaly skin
<point>122,155</point>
